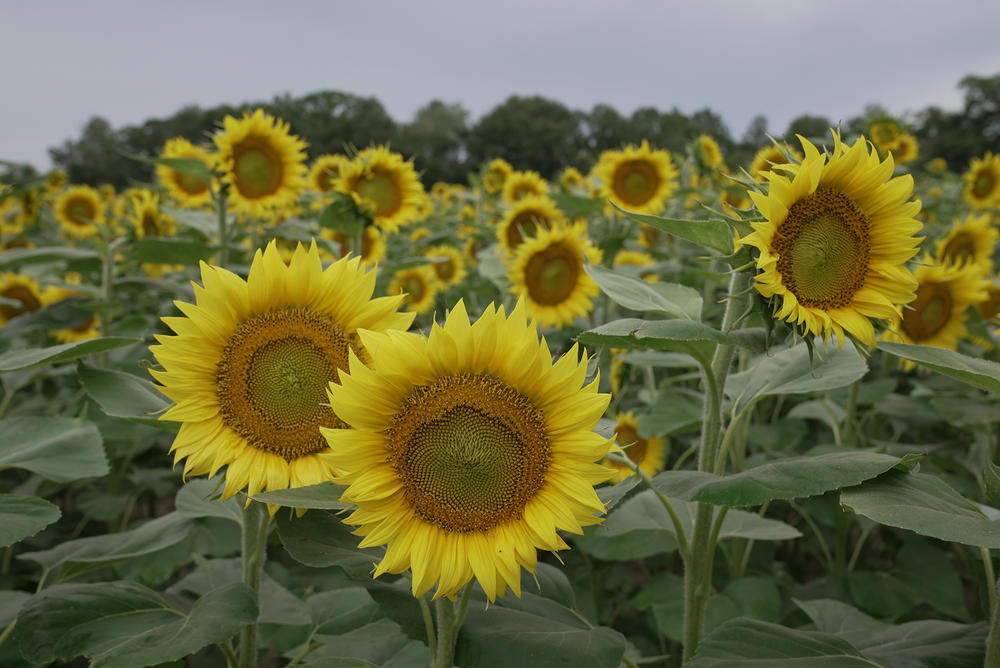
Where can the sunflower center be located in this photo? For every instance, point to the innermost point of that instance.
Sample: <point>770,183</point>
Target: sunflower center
<point>415,288</point>
<point>961,249</point>
<point>635,182</point>
<point>149,225</point>
<point>470,451</point>
<point>929,313</point>
<point>80,211</point>
<point>823,249</point>
<point>626,435</point>
<point>989,307</point>
<point>258,168</point>
<point>524,224</point>
<point>445,270</point>
<point>29,301</point>
<point>192,185</point>
<point>984,183</point>
<point>324,182</point>
<point>272,380</point>
<point>382,190</point>
<point>552,273</point>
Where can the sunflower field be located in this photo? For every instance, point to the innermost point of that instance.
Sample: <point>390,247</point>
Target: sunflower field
<point>280,410</point>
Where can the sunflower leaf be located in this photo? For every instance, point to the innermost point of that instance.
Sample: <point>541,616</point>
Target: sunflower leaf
<point>324,496</point>
<point>713,234</point>
<point>980,373</point>
<point>124,395</point>
<point>23,516</point>
<point>639,295</point>
<point>57,448</point>
<point>26,358</point>
<point>124,624</point>
<point>16,256</point>
<point>172,251</point>
<point>320,539</point>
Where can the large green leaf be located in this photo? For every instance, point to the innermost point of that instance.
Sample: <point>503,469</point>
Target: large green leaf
<point>639,295</point>
<point>124,624</point>
<point>750,642</point>
<point>919,644</point>
<point>980,373</point>
<point>501,636</point>
<point>199,497</point>
<point>791,371</point>
<point>924,504</point>
<point>75,557</point>
<point>23,516</point>
<point>788,478</point>
<point>57,448</point>
<point>324,496</point>
<point>26,358</point>
<point>686,336</point>
<point>16,256</point>
<point>320,539</point>
<point>712,234</point>
<point>202,221</point>
<point>124,395</point>
<point>172,251</point>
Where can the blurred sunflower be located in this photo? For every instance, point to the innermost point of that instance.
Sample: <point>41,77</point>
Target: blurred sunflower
<point>85,328</point>
<point>630,258</point>
<point>452,270</point>
<point>982,182</point>
<point>418,285</point>
<point>262,161</point>
<point>649,454</point>
<point>885,135</point>
<point>768,157</point>
<point>325,170</point>
<point>147,219</point>
<point>708,152</point>
<point>373,248</point>
<point>637,179</point>
<point>524,184</point>
<point>970,240</point>
<point>189,191</point>
<point>386,184</point>
<point>525,218</point>
<point>547,270</point>
<point>79,210</point>
<point>250,363</point>
<point>468,450</point>
<point>937,316</point>
<point>573,181</point>
<point>835,240</point>
<point>24,294</point>
<point>496,175</point>
<point>907,149</point>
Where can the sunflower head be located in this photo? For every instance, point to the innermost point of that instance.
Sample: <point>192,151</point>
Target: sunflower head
<point>495,175</point>
<point>147,219</point>
<point>649,454</point>
<point>387,185</point>
<point>525,218</point>
<point>573,181</point>
<point>971,239</point>
<point>835,240</point>
<point>637,179</point>
<point>325,171</point>
<point>24,295</point>
<point>373,249</point>
<point>907,149</point>
<point>262,162</point>
<point>547,271</point>
<point>189,191</point>
<point>982,182</point>
<point>79,210</point>
<point>707,151</point>
<point>885,135</point>
<point>448,265</point>
<point>769,156</point>
<point>249,365</point>
<point>524,184</point>
<point>418,286</point>
<point>467,450</point>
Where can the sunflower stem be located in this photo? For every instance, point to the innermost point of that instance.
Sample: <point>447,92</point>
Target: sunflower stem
<point>847,433</point>
<point>425,610</point>
<point>447,634</point>
<point>698,562</point>
<point>222,259</point>
<point>255,530</point>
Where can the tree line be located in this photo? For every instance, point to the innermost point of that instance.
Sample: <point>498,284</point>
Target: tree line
<point>529,132</point>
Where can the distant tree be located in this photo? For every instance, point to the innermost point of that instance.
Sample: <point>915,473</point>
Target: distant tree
<point>755,135</point>
<point>529,133</point>
<point>810,127</point>
<point>98,157</point>
<point>436,141</point>
<point>958,137</point>
<point>605,129</point>
<point>331,120</point>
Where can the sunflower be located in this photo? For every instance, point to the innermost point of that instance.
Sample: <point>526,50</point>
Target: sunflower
<point>524,184</point>
<point>970,240</point>
<point>469,450</point>
<point>573,181</point>
<point>708,152</point>
<point>147,219</point>
<point>387,185</point>
<point>262,161</point>
<point>496,175</point>
<point>982,182</point>
<point>835,240</point>
<point>373,248</point>
<point>885,135</point>
<point>907,149</point>
<point>419,234</point>
<point>452,270</point>
<point>79,210</point>
<point>525,218</point>
<point>326,169</point>
<point>25,294</point>
<point>83,330</point>
<point>768,157</point>
<point>936,317</point>
<point>637,179</point>
<point>251,360</point>
<point>419,286</point>
<point>189,191</point>
<point>548,271</point>
<point>55,181</point>
<point>990,306</point>
<point>938,165</point>
<point>629,258</point>
<point>649,454</point>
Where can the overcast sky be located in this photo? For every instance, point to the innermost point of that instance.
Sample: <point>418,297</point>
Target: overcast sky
<point>65,61</point>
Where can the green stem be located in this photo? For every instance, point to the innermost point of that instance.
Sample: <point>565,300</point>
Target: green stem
<point>827,555</point>
<point>230,655</point>
<point>991,589</point>
<point>627,660</point>
<point>698,562</point>
<point>425,610</point>
<point>7,631</point>
<point>108,281</point>
<point>847,433</point>
<point>993,640</point>
<point>444,657</point>
<point>5,403</point>
<point>856,554</point>
<point>664,499</point>
<point>255,530</point>
<point>222,258</point>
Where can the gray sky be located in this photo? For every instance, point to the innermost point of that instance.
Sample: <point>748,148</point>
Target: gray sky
<point>66,61</point>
